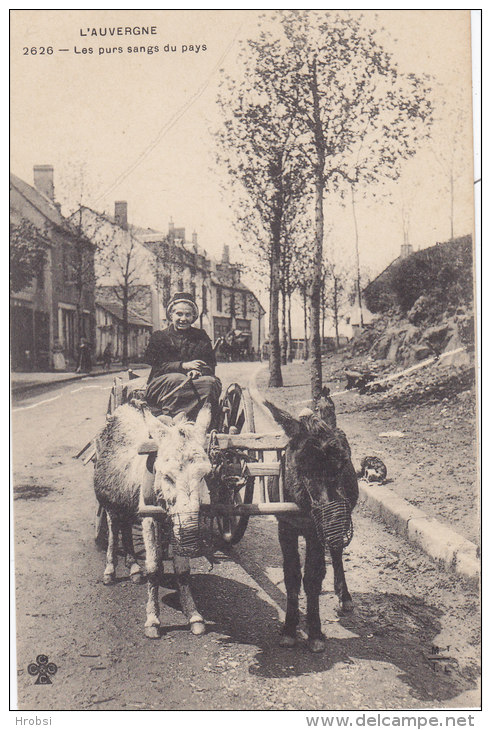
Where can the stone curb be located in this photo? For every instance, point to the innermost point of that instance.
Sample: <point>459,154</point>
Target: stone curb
<point>437,540</point>
<point>32,385</point>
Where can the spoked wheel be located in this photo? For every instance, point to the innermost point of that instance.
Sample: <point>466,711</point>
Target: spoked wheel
<point>236,411</point>
<point>237,415</point>
<point>100,527</point>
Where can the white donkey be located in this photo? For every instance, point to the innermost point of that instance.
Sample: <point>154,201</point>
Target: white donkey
<point>126,480</point>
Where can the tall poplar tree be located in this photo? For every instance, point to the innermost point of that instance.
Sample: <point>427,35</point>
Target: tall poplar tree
<point>257,145</point>
<point>357,117</point>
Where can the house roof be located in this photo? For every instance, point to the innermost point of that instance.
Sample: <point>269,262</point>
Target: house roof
<point>39,201</point>
<point>116,310</point>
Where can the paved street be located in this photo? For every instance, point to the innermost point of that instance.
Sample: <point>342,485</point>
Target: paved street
<point>378,658</point>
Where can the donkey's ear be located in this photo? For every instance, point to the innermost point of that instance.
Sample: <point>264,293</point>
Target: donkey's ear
<point>203,421</point>
<point>290,425</point>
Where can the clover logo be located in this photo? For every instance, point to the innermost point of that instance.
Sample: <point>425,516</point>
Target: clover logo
<point>42,668</point>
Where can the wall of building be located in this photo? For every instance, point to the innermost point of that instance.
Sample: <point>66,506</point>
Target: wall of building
<point>110,331</point>
<point>48,297</point>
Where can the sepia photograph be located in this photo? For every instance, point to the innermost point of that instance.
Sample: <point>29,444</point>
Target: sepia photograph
<point>243,364</point>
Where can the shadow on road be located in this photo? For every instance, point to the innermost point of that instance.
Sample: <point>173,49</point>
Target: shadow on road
<point>392,629</point>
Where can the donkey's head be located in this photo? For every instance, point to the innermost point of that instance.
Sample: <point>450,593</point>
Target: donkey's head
<point>181,463</point>
<point>316,456</point>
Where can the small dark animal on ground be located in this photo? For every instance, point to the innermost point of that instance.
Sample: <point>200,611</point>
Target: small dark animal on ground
<point>320,478</point>
<point>373,469</point>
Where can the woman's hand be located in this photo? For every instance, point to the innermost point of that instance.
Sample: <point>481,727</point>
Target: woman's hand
<point>193,365</point>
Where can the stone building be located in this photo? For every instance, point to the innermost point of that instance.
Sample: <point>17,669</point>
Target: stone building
<point>57,309</point>
<point>163,263</point>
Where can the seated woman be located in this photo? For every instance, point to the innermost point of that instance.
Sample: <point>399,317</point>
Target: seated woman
<point>179,353</point>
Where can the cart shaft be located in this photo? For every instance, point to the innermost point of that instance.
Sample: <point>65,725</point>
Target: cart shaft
<point>267,508</point>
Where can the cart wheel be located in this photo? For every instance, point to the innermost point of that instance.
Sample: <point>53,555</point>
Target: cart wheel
<point>237,415</point>
<point>230,527</point>
<point>100,527</point>
<point>236,411</point>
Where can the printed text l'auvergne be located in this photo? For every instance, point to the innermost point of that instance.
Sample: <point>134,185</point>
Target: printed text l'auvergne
<point>119,30</point>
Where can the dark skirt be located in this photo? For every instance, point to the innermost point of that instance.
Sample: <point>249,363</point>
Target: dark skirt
<point>189,399</point>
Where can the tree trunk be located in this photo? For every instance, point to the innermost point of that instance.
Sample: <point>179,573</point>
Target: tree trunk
<point>305,336</point>
<point>323,290</point>
<point>284,335</point>
<point>335,308</point>
<point>275,377</point>
<point>124,357</point>
<point>315,297</point>
<point>315,287</point>
<point>290,344</point>
<point>358,276</point>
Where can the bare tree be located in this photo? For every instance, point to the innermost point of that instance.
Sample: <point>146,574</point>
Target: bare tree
<point>120,262</point>
<point>336,277</point>
<point>256,145</point>
<point>451,127</point>
<point>302,241</point>
<point>119,258</point>
<point>357,116</point>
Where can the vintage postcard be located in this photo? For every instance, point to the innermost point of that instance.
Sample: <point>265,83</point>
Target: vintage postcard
<point>243,364</point>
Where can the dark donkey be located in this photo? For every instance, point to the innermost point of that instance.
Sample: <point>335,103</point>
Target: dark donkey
<point>321,480</point>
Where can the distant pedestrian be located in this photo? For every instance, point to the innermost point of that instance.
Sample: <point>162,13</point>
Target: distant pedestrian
<point>59,362</point>
<point>84,362</point>
<point>107,356</point>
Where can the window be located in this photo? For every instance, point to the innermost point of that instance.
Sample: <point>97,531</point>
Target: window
<point>244,304</point>
<point>219,298</point>
<point>193,290</point>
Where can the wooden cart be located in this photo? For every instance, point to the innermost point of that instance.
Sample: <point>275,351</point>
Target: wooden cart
<point>247,474</point>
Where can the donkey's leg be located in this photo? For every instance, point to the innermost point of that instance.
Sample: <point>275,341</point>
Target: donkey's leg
<point>340,587</point>
<point>129,550</point>
<point>314,573</point>
<point>182,570</point>
<point>292,572</point>
<point>151,539</point>
<point>113,525</point>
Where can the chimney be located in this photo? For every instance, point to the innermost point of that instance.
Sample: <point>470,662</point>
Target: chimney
<point>195,240</point>
<point>226,255</point>
<point>43,180</point>
<point>121,213</point>
<point>171,227</point>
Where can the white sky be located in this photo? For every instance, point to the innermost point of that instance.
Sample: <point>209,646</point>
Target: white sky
<point>112,110</point>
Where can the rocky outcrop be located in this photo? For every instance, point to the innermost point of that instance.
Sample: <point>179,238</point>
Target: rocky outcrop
<point>396,339</point>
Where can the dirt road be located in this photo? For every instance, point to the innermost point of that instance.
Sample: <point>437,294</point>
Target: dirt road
<point>378,658</point>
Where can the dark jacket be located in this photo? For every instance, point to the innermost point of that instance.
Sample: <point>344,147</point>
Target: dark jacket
<point>168,349</point>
